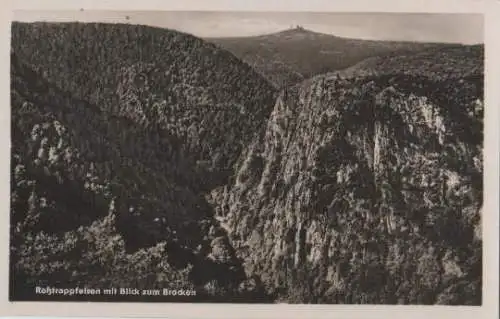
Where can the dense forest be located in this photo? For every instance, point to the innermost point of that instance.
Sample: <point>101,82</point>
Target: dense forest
<point>126,158</point>
<point>451,62</point>
<point>149,158</point>
<point>154,77</point>
<point>99,201</point>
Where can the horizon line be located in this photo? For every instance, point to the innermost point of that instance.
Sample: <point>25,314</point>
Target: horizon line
<point>292,28</point>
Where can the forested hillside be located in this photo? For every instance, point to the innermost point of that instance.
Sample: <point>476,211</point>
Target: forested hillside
<point>366,189</point>
<point>290,56</point>
<point>110,163</point>
<point>450,62</point>
<point>96,199</point>
<point>199,93</point>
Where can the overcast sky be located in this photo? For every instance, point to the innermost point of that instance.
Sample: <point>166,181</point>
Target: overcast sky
<point>460,28</point>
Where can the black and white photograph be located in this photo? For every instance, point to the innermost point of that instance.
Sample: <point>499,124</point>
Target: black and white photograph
<point>247,157</point>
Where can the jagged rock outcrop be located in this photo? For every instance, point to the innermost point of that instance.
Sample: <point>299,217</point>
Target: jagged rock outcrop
<point>364,190</point>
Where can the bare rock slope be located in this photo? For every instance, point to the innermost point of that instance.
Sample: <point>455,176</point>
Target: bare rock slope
<point>366,189</point>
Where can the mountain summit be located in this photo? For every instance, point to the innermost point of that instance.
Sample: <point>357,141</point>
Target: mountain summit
<point>297,31</point>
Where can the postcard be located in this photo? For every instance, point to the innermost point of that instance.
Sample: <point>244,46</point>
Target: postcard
<point>266,160</point>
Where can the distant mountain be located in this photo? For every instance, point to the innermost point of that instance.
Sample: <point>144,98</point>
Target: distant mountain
<point>292,55</point>
<point>367,188</point>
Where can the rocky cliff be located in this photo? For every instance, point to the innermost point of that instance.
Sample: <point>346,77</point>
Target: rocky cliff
<point>365,190</point>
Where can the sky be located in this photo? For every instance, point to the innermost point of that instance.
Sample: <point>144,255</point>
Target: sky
<point>427,27</point>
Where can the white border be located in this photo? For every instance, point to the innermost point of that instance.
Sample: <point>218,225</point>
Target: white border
<point>491,166</point>
<point>464,6</point>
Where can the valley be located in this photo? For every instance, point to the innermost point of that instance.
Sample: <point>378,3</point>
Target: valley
<point>294,167</point>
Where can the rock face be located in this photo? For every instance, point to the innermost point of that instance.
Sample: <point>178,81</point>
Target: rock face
<point>364,190</point>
